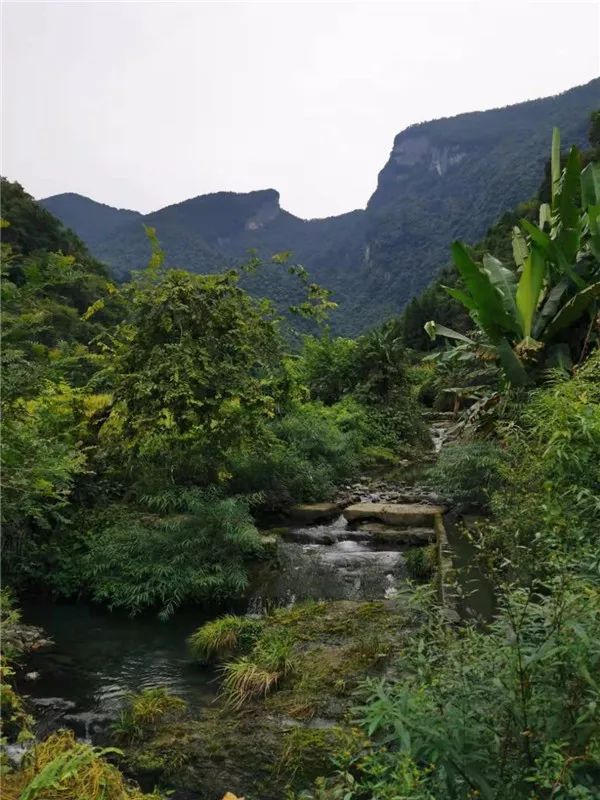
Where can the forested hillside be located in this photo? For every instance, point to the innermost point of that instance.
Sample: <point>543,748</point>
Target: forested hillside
<point>444,179</point>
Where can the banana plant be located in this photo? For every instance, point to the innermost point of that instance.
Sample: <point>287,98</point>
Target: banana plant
<point>556,278</point>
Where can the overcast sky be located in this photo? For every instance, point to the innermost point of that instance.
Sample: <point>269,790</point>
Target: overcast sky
<point>143,104</point>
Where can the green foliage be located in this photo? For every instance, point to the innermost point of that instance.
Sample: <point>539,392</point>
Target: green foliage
<point>194,371</point>
<point>421,562</point>
<point>190,546</point>
<point>303,455</point>
<point>482,712</point>
<point>253,677</point>
<point>508,710</point>
<point>468,472</point>
<point>327,367</point>
<point>145,711</point>
<point>60,768</point>
<point>222,637</point>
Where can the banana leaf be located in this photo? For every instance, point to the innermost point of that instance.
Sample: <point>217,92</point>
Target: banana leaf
<point>555,162</point>
<point>590,185</point>
<point>572,310</point>
<point>552,251</point>
<point>504,280</point>
<point>511,364</point>
<point>530,288</point>
<point>491,315</point>
<point>545,217</point>
<point>462,297</point>
<point>519,247</point>
<point>434,329</point>
<point>593,221</point>
<point>550,307</point>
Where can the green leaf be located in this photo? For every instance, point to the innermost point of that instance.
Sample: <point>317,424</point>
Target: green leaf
<point>491,314</point>
<point>555,162</point>
<point>545,217</point>
<point>511,364</point>
<point>462,297</point>
<point>567,208</point>
<point>519,247</point>
<point>504,280</point>
<point>590,185</point>
<point>433,329</point>
<point>529,289</point>
<point>573,309</point>
<point>550,307</point>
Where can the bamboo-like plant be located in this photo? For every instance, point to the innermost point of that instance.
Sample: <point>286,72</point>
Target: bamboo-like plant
<point>556,278</point>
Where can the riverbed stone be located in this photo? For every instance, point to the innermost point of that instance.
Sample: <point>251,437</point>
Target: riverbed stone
<point>402,514</point>
<point>397,535</point>
<point>315,512</point>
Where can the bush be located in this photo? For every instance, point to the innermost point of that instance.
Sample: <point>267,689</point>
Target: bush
<point>194,546</point>
<point>222,637</point>
<point>308,452</point>
<point>468,473</point>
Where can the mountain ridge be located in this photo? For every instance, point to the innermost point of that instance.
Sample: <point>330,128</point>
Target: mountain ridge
<point>444,179</point>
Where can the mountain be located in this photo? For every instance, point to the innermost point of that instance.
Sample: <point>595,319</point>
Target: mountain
<point>445,179</point>
<point>92,221</point>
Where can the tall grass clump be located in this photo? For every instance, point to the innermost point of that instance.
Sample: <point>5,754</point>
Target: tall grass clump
<point>254,676</point>
<point>145,711</point>
<point>222,637</point>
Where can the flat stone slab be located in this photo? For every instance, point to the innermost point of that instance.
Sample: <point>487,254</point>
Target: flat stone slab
<point>315,512</point>
<point>401,536</point>
<point>401,514</point>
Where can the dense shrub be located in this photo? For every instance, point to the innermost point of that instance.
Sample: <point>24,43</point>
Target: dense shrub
<point>509,713</point>
<point>468,473</point>
<point>306,453</point>
<point>193,547</point>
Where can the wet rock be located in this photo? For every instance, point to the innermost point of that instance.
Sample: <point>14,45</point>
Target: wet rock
<point>409,515</point>
<point>398,536</point>
<point>315,512</point>
<point>24,638</point>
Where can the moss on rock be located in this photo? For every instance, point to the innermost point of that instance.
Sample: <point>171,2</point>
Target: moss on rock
<point>284,740</point>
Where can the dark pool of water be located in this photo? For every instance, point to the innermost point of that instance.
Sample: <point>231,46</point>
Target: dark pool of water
<point>99,657</point>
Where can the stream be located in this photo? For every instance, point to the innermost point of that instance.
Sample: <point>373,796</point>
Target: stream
<point>99,657</point>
